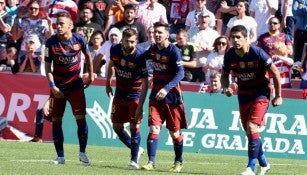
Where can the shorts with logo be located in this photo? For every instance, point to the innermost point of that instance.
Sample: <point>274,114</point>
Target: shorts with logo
<point>75,97</point>
<point>254,111</point>
<point>123,111</point>
<point>173,114</point>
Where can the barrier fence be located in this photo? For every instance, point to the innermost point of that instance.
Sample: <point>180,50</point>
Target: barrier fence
<point>214,121</point>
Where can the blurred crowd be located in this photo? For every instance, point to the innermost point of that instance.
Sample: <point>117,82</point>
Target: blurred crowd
<point>199,28</point>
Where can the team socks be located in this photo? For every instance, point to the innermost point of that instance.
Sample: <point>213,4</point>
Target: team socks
<point>82,136</point>
<point>261,158</point>
<point>178,148</point>
<point>135,144</point>
<point>58,138</point>
<point>124,137</point>
<point>253,152</point>
<point>152,146</point>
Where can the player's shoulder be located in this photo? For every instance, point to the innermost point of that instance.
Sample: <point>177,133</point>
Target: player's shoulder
<point>78,36</point>
<point>52,39</point>
<point>116,48</point>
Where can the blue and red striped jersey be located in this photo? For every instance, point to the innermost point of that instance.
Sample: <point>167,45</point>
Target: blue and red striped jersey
<point>168,71</point>
<point>66,59</point>
<point>251,72</point>
<point>129,71</point>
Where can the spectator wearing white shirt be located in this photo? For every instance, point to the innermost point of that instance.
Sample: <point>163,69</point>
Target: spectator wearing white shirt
<point>262,11</point>
<point>244,19</point>
<point>115,37</point>
<point>150,12</point>
<point>192,18</point>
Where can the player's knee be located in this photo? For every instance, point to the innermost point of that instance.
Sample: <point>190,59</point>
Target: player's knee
<point>174,134</point>
<point>252,127</point>
<point>118,127</point>
<point>154,129</point>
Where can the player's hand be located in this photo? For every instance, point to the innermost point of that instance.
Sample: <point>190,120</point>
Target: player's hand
<point>161,94</point>
<point>228,92</point>
<point>109,91</point>
<point>276,101</point>
<point>87,79</point>
<point>57,92</point>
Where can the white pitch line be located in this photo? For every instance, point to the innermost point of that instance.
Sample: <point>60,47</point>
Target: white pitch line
<point>160,162</point>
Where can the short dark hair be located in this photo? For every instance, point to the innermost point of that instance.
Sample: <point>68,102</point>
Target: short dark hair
<point>63,14</point>
<point>129,32</point>
<point>181,30</point>
<point>162,24</point>
<point>129,7</point>
<point>239,28</point>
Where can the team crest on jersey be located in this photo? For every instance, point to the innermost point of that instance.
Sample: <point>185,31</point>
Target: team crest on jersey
<point>158,56</point>
<point>250,64</point>
<point>131,65</point>
<point>76,47</point>
<point>242,65</point>
<point>122,62</point>
<point>67,48</point>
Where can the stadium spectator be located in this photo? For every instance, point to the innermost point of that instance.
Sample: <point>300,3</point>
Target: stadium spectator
<point>262,11</point>
<point>149,39</point>
<point>226,10</point>
<point>56,6</point>
<point>98,8</point>
<point>165,101</point>
<point>146,45</point>
<point>177,13</point>
<point>303,71</point>
<point>244,19</point>
<point>287,21</point>
<point>5,28</point>
<point>12,9</point>
<point>150,12</point>
<point>85,26</point>
<point>299,10</point>
<point>199,34</point>
<point>30,25</point>
<point>215,85</point>
<point>29,62</point>
<point>191,67</point>
<point>266,40</point>
<point>115,13</point>
<point>192,18</point>
<point>115,37</point>
<point>283,63</point>
<point>96,41</point>
<point>130,94</point>
<point>204,44</point>
<point>69,87</point>
<point>253,92</point>
<point>9,64</point>
<point>216,57</point>
<point>130,22</point>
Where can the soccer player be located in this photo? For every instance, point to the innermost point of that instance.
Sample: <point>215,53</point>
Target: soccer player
<point>64,50</point>
<point>165,101</point>
<point>129,66</point>
<point>251,64</point>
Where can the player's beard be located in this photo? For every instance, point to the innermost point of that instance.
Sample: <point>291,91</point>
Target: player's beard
<point>128,50</point>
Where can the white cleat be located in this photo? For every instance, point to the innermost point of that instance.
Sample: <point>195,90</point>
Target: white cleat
<point>264,169</point>
<point>248,171</point>
<point>133,166</point>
